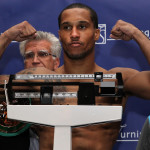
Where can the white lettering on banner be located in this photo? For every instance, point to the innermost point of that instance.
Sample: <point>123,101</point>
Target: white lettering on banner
<point>128,136</point>
<point>146,33</point>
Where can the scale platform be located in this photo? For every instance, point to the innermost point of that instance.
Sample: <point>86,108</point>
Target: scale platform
<point>64,117</point>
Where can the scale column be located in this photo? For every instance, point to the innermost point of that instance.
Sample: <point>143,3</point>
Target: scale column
<point>62,138</point>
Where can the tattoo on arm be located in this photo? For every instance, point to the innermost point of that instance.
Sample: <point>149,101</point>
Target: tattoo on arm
<point>28,71</point>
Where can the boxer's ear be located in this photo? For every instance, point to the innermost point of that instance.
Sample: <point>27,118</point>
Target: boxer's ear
<point>97,34</point>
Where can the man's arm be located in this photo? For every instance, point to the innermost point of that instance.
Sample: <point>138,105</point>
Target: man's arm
<point>19,32</point>
<point>138,85</point>
<point>135,83</point>
<point>126,31</point>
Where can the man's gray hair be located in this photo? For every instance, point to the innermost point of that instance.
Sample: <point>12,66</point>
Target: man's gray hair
<point>55,43</point>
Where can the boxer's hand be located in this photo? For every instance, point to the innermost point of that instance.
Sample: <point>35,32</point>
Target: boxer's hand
<point>20,32</point>
<point>123,30</point>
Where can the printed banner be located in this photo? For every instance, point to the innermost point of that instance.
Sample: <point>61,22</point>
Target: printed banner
<point>110,53</point>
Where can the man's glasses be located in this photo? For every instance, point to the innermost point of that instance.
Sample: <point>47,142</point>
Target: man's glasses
<point>40,54</point>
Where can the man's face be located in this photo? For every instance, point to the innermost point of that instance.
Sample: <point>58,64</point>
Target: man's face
<point>37,54</point>
<point>77,33</point>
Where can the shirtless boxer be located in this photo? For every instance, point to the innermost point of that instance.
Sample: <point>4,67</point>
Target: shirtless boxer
<point>78,33</point>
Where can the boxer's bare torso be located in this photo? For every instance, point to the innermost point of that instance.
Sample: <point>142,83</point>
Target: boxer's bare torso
<point>92,137</point>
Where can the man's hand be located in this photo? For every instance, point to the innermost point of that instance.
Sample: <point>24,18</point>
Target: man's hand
<point>123,30</point>
<point>20,32</point>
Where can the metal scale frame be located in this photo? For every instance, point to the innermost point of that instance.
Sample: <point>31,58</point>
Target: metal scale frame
<point>64,117</point>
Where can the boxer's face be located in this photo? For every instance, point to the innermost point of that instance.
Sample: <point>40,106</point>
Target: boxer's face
<point>77,33</point>
<point>38,54</point>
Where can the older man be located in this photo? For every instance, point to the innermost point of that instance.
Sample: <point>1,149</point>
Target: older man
<point>39,49</point>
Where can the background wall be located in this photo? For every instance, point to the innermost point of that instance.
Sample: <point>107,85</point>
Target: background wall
<point>109,53</point>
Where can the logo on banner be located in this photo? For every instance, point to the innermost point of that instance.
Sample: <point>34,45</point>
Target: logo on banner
<point>102,39</point>
<point>126,135</point>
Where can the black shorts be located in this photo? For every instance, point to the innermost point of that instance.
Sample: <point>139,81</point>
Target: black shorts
<point>19,142</point>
